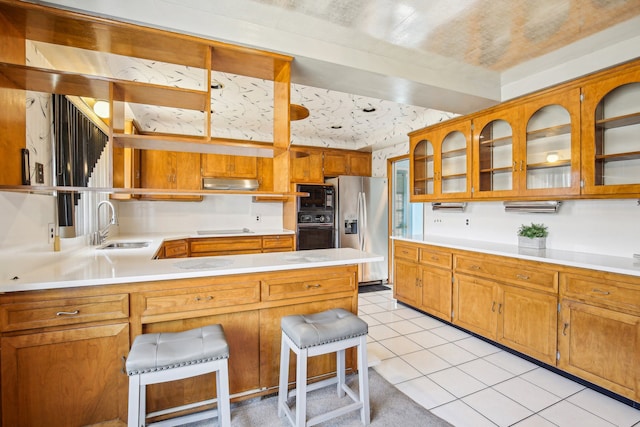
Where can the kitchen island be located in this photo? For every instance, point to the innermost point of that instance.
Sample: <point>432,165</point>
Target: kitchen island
<point>67,324</point>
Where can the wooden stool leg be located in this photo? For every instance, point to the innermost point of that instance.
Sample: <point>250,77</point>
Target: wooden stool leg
<point>301,388</point>
<point>363,381</point>
<point>222,385</point>
<point>340,371</point>
<point>134,401</point>
<point>284,377</point>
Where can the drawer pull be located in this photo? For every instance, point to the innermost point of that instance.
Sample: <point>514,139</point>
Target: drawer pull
<point>317,285</point>
<point>522,277</point>
<point>435,258</point>
<point>68,313</point>
<point>475,267</point>
<point>599,291</point>
<point>207,298</point>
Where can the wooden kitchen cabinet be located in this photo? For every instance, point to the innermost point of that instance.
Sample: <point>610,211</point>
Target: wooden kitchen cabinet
<point>423,278</point>
<point>226,166</point>
<point>341,162</point>
<point>440,159</point>
<point>173,249</point>
<point>599,329</point>
<point>62,360</point>
<point>306,166</point>
<point>213,246</point>
<point>611,122</point>
<point>278,243</point>
<point>512,303</point>
<point>170,170</point>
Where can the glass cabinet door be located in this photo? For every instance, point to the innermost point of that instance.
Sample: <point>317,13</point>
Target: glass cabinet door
<point>495,141</point>
<point>423,168</point>
<point>453,173</point>
<point>611,159</point>
<point>550,158</point>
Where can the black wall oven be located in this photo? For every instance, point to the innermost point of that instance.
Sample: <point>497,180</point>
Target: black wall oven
<point>315,228</point>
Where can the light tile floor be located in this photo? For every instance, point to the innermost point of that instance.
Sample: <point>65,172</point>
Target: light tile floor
<point>470,382</point>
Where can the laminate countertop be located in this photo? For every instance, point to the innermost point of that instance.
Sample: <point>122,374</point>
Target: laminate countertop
<point>40,268</point>
<point>612,264</point>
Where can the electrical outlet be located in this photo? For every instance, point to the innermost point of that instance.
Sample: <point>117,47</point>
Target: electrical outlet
<point>466,221</point>
<point>258,218</point>
<point>50,232</point>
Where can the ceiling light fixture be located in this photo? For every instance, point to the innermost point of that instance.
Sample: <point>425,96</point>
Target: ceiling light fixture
<point>298,112</point>
<point>552,157</point>
<point>101,108</point>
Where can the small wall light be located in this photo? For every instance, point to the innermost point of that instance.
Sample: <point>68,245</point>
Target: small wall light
<point>552,157</point>
<point>101,108</point>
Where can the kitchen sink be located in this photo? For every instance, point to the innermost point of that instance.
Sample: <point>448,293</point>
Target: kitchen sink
<point>124,245</point>
<point>236,231</point>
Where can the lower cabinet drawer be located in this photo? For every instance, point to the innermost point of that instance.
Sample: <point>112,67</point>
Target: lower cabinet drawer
<point>522,273</point>
<point>307,285</point>
<point>435,257</point>
<point>600,290</point>
<point>213,296</point>
<point>270,243</point>
<point>406,251</point>
<point>60,312</point>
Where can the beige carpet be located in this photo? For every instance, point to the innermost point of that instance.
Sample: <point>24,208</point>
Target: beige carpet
<point>389,407</point>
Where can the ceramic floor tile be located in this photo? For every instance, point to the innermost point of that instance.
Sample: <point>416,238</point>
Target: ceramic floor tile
<point>377,350</point>
<point>426,362</point>
<point>477,346</point>
<point>425,392</point>
<point>371,308</point>
<point>389,305</point>
<point>459,414</point>
<point>566,414</point>
<point>456,382</point>
<point>453,354</point>
<point>386,317</point>
<point>450,333</point>
<point>408,313</point>
<point>605,407</point>
<point>486,372</point>
<point>552,382</point>
<point>376,299</point>
<point>396,370</point>
<point>534,420</point>
<point>404,327</point>
<point>426,322</point>
<point>370,320</point>
<point>497,407</point>
<point>510,362</point>
<point>527,394</point>
<point>427,339</point>
<point>400,345</point>
<point>381,332</point>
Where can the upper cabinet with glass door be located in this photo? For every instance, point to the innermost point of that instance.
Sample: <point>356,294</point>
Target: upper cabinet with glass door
<point>441,163</point>
<point>548,162</point>
<point>496,138</point>
<point>610,139</point>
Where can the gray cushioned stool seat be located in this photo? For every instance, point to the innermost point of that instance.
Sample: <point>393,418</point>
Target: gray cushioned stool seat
<point>154,352</point>
<point>321,328</point>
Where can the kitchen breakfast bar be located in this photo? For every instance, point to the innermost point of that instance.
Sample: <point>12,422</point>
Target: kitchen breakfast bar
<point>68,320</point>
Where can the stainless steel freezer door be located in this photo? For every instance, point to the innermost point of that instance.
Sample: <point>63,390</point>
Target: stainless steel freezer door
<point>376,232</point>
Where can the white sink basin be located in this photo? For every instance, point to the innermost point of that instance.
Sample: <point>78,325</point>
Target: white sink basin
<point>124,245</point>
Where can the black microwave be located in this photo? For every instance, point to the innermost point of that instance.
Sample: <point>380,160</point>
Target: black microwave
<point>321,197</point>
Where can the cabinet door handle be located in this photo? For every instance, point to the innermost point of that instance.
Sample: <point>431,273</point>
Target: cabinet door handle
<point>521,165</point>
<point>564,329</point>
<point>522,277</point>
<point>600,291</point>
<point>515,166</point>
<point>493,307</point>
<point>317,285</point>
<point>500,308</point>
<point>68,313</point>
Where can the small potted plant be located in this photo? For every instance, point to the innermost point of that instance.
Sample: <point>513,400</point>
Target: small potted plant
<point>532,236</point>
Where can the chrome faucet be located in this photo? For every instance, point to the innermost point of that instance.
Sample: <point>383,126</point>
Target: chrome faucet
<point>101,234</point>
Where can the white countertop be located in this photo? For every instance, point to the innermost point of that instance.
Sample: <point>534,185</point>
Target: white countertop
<point>39,268</point>
<point>612,264</point>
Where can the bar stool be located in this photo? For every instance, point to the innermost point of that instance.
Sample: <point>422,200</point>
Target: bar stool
<point>320,333</point>
<point>158,358</point>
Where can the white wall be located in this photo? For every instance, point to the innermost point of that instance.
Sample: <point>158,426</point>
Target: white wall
<point>213,213</point>
<point>24,219</point>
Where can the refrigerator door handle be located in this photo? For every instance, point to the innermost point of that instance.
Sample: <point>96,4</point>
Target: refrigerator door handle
<point>362,219</point>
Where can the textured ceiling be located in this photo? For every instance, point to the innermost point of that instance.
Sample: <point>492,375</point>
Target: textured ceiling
<point>410,59</point>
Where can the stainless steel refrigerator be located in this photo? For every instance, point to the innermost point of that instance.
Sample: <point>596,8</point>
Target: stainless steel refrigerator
<point>361,221</point>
